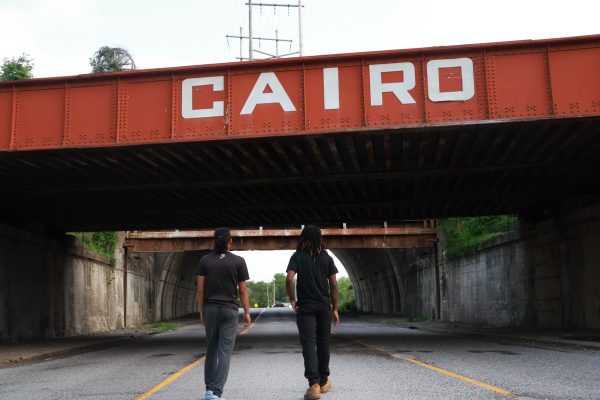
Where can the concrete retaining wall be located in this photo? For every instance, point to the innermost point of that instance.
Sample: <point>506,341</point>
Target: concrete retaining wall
<point>491,287</point>
<point>53,287</point>
<point>546,276</point>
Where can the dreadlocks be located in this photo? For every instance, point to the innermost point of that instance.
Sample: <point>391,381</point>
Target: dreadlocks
<point>311,240</point>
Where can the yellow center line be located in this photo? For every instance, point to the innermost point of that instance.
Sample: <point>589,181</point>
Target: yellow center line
<point>454,375</point>
<point>171,379</point>
<point>187,368</point>
<point>431,367</point>
<point>246,329</point>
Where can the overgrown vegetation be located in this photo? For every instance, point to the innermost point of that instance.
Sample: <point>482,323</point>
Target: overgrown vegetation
<point>16,68</point>
<point>465,235</point>
<point>103,243</point>
<point>163,326</point>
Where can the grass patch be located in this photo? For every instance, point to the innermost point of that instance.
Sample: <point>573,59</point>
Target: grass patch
<point>163,326</point>
<point>405,320</point>
<point>416,318</point>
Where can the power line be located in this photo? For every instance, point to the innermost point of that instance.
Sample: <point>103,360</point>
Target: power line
<point>276,39</point>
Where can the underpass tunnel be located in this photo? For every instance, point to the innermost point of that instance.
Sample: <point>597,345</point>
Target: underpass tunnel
<point>174,284</point>
<point>393,281</point>
<point>178,286</point>
<point>386,281</point>
<point>176,276</point>
<point>542,275</point>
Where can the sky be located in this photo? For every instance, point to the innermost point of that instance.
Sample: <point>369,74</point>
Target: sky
<point>61,35</point>
<point>262,265</point>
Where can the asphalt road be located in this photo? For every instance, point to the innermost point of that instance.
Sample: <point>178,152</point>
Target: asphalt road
<point>369,361</point>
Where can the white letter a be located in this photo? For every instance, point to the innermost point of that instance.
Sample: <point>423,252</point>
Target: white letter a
<point>258,95</point>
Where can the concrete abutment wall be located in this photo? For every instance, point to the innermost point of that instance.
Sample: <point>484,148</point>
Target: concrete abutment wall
<point>54,287</point>
<point>547,275</point>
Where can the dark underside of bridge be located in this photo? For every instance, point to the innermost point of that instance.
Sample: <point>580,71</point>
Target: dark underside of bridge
<point>353,177</point>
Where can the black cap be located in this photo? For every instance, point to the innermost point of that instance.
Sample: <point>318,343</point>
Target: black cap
<point>222,236</point>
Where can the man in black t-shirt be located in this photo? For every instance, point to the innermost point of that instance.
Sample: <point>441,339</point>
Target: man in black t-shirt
<point>316,307</point>
<point>220,275</point>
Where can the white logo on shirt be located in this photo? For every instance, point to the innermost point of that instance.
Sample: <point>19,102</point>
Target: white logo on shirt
<point>222,256</point>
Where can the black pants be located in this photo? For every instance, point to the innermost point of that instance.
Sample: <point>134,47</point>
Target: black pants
<point>314,326</point>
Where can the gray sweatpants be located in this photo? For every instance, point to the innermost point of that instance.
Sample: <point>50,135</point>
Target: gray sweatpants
<point>221,329</point>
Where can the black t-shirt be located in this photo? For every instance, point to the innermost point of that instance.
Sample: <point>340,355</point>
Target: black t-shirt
<point>223,272</point>
<point>313,276</point>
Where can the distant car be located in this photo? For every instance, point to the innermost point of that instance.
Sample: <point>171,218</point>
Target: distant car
<point>277,305</point>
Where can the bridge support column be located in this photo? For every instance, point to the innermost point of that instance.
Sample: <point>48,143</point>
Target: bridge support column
<point>125,272</point>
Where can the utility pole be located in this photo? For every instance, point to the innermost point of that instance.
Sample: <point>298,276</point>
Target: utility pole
<point>300,27</point>
<point>268,298</point>
<point>250,40</point>
<point>273,283</point>
<point>251,36</point>
<point>241,46</point>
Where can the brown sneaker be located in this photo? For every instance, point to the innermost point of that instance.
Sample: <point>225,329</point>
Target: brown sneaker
<point>313,392</point>
<point>326,387</point>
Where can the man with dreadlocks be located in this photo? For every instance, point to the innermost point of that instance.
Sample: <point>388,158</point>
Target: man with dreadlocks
<point>316,308</point>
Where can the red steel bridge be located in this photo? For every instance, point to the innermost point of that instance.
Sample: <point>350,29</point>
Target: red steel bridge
<point>358,138</point>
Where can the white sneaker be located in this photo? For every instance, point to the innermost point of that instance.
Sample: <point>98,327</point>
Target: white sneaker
<point>209,395</point>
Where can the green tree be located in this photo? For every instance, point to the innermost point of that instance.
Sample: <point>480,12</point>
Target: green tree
<point>15,69</point>
<point>258,293</point>
<point>346,300</point>
<point>111,59</point>
<point>260,290</point>
<point>279,287</point>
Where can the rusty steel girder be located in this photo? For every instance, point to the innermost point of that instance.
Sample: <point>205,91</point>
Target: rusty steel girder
<point>419,234</point>
<point>430,87</point>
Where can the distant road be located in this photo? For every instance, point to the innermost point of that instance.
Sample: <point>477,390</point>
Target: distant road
<point>369,361</point>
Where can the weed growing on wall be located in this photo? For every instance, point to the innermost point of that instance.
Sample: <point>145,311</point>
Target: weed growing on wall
<point>103,243</point>
<point>465,235</point>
